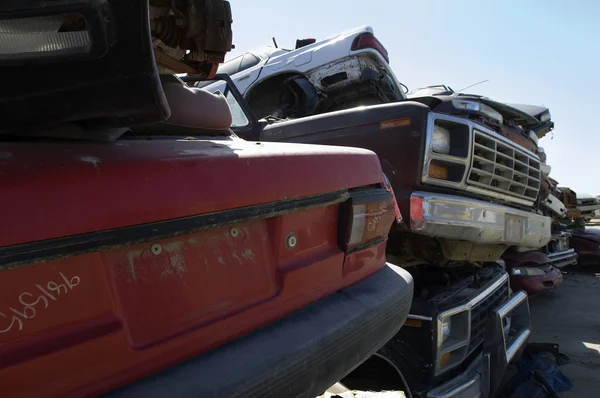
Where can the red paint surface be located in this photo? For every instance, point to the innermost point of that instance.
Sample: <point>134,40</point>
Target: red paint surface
<point>66,189</point>
<point>94,322</point>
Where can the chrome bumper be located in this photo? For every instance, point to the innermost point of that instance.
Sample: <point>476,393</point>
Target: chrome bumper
<point>473,382</point>
<point>459,218</point>
<point>483,376</point>
<point>564,258</point>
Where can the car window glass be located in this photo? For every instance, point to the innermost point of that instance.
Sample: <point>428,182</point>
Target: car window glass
<point>231,67</point>
<point>238,117</point>
<point>248,62</point>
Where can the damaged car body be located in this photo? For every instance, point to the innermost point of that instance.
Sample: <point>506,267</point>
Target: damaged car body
<point>140,256</point>
<point>344,71</point>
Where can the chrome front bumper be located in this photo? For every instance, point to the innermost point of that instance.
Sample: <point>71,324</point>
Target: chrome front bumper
<point>483,376</point>
<point>460,218</point>
<point>564,258</point>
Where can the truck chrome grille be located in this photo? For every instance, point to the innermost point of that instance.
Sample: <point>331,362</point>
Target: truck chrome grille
<point>481,313</point>
<point>499,166</point>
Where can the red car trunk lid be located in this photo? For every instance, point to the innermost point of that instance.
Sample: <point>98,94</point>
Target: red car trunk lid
<point>120,259</point>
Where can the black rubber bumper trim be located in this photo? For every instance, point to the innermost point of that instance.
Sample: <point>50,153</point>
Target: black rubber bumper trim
<point>299,356</point>
<point>52,249</point>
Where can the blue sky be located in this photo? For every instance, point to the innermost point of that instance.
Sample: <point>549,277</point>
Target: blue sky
<point>534,52</point>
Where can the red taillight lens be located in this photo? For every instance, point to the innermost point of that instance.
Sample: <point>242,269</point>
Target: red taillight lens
<point>416,208</point>
<point>368,40</point>
<point>369,216</point>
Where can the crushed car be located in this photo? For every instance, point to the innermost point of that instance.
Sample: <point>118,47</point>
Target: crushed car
<point>343,71</point>
<point>144,252</point>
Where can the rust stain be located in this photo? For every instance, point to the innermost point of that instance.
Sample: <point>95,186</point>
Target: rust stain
<point>388,124</point>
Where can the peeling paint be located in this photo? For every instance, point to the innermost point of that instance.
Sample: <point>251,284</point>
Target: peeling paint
<point>248,255</point>
<point>173,246</point>
<point>177,262</point>
<point>192,241</point>
<point>131,256</point>
<point>94,161</point>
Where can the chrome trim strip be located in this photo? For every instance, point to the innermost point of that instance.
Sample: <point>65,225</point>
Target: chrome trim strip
<point>465,307</point>
<point>499,195</point>
<point>508,308</point>
<point>515,300</point>
<point>420,317</point>
<point>518,343</point>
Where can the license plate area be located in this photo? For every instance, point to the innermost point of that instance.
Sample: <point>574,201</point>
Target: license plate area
<point>514,227</point>
<point>167,287</point>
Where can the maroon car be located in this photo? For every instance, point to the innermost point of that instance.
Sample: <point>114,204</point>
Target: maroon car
<point>586,241</point>
<point>531,271</point>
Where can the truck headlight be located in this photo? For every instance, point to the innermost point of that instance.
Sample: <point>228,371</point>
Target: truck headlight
<point>440,140</point>
<point>527,271</point>
<point>453,338</point>
<point>446,324</point>
<point>478,107</point>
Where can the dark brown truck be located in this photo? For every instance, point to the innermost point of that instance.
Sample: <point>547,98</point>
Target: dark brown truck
<point>468,192</point>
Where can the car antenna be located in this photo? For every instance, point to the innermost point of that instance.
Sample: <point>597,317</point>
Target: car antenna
<point>473,85</point>
<point>275,43</point>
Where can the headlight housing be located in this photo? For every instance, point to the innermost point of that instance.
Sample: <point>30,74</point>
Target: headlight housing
<point>452,338</point>
<point>446,328</point>
<point>440,140</point>
<point>478,107</point>
<point>527,271</point>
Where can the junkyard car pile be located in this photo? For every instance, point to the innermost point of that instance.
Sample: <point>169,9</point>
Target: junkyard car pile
<point>151,250</point>
<point>484,225</point>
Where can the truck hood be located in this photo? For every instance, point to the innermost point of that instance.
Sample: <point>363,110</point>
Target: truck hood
<point>526,116</point>
<point>58,189</point>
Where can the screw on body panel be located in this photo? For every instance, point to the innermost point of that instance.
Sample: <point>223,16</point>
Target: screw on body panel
<point>156,249</point>
<point>291,241</point>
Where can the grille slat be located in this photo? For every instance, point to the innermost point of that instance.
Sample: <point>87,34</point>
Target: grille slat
<point>500,167</point>
<point>481,313</point>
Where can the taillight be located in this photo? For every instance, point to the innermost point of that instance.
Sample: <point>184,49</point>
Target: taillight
<point>416,208</point>
<point>368,218</point>
<point>368,40</point>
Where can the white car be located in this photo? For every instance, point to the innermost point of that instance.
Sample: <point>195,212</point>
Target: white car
<point>343,71</point>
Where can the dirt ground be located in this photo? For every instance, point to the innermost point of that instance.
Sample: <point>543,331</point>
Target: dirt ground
<point>570,317</point>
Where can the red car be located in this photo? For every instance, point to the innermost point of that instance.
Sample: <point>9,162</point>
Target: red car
<point>148,251</point>
<point>531,271</point>
<point>586,241</point>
